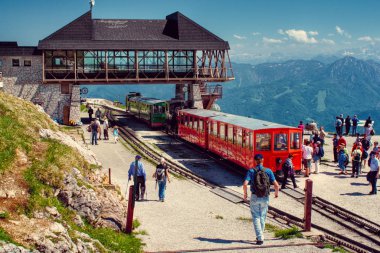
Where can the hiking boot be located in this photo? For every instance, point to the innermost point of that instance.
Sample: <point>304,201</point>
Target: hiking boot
<point>259,242</point>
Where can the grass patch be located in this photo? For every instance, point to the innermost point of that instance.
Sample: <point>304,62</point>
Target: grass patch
<point>271,228</point>
<point>4,215</point>
<point>335,248</point>
<point>288,233</point>
<point>219,217</point>
<point>141,232</point>
<point>245,219</point>
<point>83,108</point>
<point>4,236</point>
<point>135,224</point>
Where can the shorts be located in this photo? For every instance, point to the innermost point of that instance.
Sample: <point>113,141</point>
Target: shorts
<point>307,163</point>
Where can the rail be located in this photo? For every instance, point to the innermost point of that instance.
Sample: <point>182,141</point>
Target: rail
<point>229,194</point>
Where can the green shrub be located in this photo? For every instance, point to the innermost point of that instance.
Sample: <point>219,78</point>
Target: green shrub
<point>288,233</point>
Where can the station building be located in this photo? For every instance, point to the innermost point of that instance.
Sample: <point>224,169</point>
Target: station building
<point>175,50</point>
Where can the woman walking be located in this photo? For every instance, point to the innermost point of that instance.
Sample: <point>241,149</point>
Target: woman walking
<point>161,176</point>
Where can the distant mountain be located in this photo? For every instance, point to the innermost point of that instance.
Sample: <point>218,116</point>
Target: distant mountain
<point>303,90</point>
<point>287,92</point>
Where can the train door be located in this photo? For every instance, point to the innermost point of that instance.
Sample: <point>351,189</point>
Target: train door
<point>280,148</point>
<point>295,148</point>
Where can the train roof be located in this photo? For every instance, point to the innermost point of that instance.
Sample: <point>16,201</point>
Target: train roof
<point>249,123</point>
<point>149,101</point>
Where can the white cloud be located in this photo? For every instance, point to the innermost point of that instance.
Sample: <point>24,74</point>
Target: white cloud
<point>313,33</point>
<point>331,34</point>
<point>366,38</point>
<point>239,37</point>
<point>328,42</point>
<point>280,31</point>
<point>300,36</point>
<point>271,41</point>
<point>342,32</point>
<point>256,33</point>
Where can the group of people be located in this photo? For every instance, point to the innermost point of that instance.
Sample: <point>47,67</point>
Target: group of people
<point>97,127</point>
<point>161,175</point>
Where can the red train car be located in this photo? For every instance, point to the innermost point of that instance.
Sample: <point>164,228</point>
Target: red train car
<point>238,138</point>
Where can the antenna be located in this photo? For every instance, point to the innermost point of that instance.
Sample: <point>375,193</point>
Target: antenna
<point>92,4</point>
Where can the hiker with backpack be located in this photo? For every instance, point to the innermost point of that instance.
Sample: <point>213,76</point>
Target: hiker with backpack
<point>366,144</point>
<point>356,160</point>
<point>342,160</point>
<point>288,170</point>
<point>161,175</point>
<point>140,176</point>
<point>259,179</point>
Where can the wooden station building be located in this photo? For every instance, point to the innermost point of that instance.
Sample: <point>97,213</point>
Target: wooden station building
<point>175,50</point>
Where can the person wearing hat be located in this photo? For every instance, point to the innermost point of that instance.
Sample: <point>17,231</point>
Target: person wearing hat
<point>356,160</point>
<point>259,201</point>
<point>141,176</point>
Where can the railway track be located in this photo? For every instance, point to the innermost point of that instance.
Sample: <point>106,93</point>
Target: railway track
<point>367,229</point>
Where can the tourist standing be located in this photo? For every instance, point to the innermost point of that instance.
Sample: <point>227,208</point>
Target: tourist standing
<point>342,160</point>
<point>301,126</point>
<point>342,140</point>
<point>260,194</point>
<point>105,128</point>
<point>98,113</point>
<point>90,112</point>
<point>373,174</point>
<point>348,124</point>
<point>99,128</point>
<point>335,147</point>
<point>116,133</point>
<point>94,126</point>
<point>316,156</point>
<point>354,125</point>
<point>338,125</point>
<point>307,152</point>
<point>356,161</point>
<point>288,170</point>
<point>141,177</point>
<point>161,175</point>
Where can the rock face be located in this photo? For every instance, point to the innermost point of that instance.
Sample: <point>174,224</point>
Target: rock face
<point>9,247</point>
<point>67,140</point>
<point>101,207</point>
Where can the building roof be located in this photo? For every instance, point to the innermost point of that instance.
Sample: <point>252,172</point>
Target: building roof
<point>11,48</point>
<point>176,32</point>
<point>248,123</point>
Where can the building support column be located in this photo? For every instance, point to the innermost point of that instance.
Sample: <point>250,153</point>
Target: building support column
<point>75,103</point>
<point>195,96</point>
<point>179,92</point>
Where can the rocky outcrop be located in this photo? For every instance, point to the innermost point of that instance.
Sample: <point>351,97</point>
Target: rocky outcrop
<point>101,207</point>
<point>67,140</point>
<point>10,247</point>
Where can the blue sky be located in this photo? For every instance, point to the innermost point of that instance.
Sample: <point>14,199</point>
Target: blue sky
<point>256,30</point>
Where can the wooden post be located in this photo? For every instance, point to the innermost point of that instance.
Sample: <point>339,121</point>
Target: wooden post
<point>109,175</point>
<point>128,228</point>
<point>308,204</point>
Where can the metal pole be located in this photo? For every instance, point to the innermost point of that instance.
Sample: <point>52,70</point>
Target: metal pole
<point>128,228</point>
<point>109,175</point>
<point>308,204</point>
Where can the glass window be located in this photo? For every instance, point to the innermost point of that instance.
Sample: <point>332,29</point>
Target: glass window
<point>214,128</point>
<point>201,129</point>
<point>281,141</point>
<point>263,142</point>
<point>222,131</point>
<point>195,123</point>
<point>250,140</point>
<point>27,63</point>
<point>295,141</point>
<point>15,62</point>
<point>230,134</point>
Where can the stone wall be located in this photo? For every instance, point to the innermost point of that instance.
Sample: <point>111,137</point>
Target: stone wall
<point>26,82</point>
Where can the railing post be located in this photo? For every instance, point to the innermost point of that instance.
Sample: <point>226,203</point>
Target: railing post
<point>109,175</point>
<point>128,228</point>
<point>308,204</point>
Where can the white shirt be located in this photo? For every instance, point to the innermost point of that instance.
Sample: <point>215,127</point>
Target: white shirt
<point>307,152</point>
<point>374,164</point>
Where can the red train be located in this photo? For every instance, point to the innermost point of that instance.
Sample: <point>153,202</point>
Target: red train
<point>238,138</point>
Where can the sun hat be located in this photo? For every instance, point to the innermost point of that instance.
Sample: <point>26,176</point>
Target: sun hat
<point>258,157</point>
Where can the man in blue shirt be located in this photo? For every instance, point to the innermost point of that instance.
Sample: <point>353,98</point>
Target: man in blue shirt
<point>141,176</point>
<point>259,205</point>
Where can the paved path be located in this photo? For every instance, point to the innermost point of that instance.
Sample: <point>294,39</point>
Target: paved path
<point>191,217</point>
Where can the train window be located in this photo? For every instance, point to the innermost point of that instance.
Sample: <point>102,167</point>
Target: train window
<point>215,128</point>
<point>263,142</point>
<point>201,129</point>
<point>195,123</point>
<point>230,134</point>
<point>222,131</point>
<point>250,140</point>
<point>245,139</point>
<point>295,141</point>
<point>281,141</point>
<point>239,136</point>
